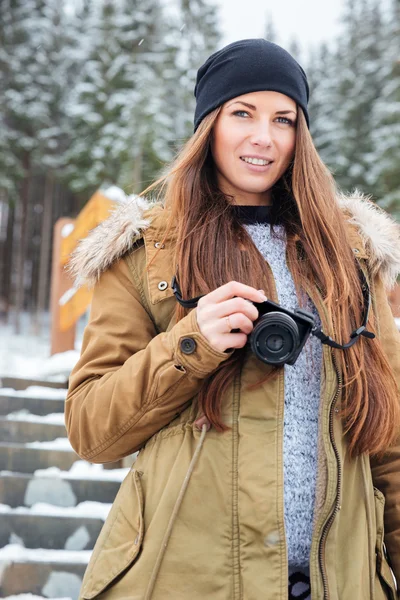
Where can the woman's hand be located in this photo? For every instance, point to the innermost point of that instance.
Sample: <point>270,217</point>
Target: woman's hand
<point>225,309</point>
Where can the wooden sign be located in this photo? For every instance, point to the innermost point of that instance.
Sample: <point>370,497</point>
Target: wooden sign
<point>94,212</point>
<point>73,305</point>
<point>69,303</point>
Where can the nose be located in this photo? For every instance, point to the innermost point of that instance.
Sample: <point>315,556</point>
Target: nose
<point>261,135</point>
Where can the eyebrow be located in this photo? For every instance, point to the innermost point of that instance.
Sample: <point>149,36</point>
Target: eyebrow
<point>252,107</point>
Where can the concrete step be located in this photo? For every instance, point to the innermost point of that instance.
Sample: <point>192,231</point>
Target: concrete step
<point>52,532</point>
<point>58,576</point>
<point>27,431</point>
<point>20,383</point>
<point>27,459</point>
<point>36,406</point>
<point>17,489</point>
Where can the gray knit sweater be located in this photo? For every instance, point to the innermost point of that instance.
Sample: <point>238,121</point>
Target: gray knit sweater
<point>302,396</point>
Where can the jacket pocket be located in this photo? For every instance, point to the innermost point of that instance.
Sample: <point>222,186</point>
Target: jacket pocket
<point>120,539</point>
<point>382,566</point>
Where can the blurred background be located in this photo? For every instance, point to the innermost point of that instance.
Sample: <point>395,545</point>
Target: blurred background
<point>96,97</point>
<point>96,93</point>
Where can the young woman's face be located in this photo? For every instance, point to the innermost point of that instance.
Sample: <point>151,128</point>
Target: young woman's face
<point>253,144</point>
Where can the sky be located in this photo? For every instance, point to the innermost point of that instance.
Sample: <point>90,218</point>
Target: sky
<point>309,21</point>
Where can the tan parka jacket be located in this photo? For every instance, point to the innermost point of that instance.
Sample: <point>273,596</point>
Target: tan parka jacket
<point>200,514</point>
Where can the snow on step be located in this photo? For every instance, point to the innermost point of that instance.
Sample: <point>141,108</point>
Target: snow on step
<point>31,597</point>
<point>57,444</point>
<point>80,469</point>
<point>17,553</point>
<point>36,405</point>
<point>87,509</point>
<point>25,416</point>
<point>84,470</point>
<point>43,579</point>
<point>36,391</point>
<point>27,458</point>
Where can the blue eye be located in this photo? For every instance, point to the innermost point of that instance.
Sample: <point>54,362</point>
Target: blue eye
<point>288,121</point>
<point>240,112</point>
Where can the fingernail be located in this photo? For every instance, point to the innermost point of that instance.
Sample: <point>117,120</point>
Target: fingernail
<point>263,296</point>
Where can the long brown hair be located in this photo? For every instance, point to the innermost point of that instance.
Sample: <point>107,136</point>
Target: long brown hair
<point>319,255</point>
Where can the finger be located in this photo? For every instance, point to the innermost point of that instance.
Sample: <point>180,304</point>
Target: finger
<point>235,305</point>
<point>235,340</point>
<point>234,322</point>
<point>234,288</point>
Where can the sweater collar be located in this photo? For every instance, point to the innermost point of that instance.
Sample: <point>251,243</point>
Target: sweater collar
<point>250,215</point>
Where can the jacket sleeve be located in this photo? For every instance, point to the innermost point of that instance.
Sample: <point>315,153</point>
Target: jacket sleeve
<point>386,471</point>
<point>130,382</point>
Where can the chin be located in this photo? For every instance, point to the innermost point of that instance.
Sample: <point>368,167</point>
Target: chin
<point>256,190</point>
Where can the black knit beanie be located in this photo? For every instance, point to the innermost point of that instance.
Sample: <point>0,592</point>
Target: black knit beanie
<point>248,66</point>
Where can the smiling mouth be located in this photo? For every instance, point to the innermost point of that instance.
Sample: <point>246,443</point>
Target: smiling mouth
<point>256,161</point>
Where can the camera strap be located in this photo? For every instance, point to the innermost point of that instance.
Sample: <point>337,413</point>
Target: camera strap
<point>326,339</point>
<point>316,331</point>
<point>192,303</point>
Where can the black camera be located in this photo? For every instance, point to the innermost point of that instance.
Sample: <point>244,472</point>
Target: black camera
<point>279,335</point>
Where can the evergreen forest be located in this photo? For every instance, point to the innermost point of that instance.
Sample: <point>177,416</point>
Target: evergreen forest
<point>95,93</point>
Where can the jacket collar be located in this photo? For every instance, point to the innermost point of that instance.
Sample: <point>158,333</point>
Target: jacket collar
<point>374,235</point>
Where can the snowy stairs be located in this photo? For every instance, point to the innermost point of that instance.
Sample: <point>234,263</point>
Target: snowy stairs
<point>52,504</point>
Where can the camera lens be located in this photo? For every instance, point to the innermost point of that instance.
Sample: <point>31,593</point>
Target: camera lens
<point>274,342</point>
<point>275,338</point>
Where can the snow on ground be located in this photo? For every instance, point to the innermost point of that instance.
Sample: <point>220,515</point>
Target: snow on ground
<point>88,509</point>
<point>31,597</point>
<point>57,444</point>
<point>84,470</point>
<point>59,364</point>
<point>36,391</point>
<point>28,355</point>
<point>81,470</point>
<point>17,553</point>
<point>25,415</point>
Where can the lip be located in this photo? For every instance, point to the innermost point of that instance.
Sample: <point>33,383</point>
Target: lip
<point>256,168</point>
<point>256,156</point>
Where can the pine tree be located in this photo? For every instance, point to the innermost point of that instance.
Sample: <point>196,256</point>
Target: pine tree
<point>134,102</point>
<point>13,59</point>
<point>360,80</point>
<point>22,111</point>
<point>323,105</point>
<point>270,30</point>
<point>31,108</point>
<point>385,122</point>
<point>113,103</point>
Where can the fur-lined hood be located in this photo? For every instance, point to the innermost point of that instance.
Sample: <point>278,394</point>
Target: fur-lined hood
<point>379,233</point>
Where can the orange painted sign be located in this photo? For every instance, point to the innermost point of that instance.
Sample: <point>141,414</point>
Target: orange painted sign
<point>94,212</point>
<point>74,303</point>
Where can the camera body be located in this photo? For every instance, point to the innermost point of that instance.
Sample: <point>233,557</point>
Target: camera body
<point>279,334</point>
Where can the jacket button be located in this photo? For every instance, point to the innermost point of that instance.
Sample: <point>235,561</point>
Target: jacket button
<point>159,245</point>
<point>162,285</point>
<point>188,345</point>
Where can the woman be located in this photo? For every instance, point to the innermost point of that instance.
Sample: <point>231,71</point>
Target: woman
<point>255,479</point>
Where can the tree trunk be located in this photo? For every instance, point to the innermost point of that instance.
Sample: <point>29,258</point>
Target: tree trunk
<point>7,257</point>
<point>137,169</point>
<point>4,211</point>
<point>45,250</point>
<point>21,250</point>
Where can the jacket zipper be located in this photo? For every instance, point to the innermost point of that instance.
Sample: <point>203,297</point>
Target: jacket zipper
<point>328,524</point>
